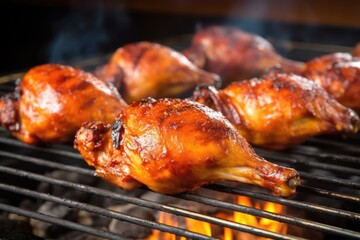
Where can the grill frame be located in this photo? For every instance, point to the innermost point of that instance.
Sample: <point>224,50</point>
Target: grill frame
<point>314,154</point>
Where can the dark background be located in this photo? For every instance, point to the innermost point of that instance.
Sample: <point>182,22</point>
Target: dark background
<point>66,31</point>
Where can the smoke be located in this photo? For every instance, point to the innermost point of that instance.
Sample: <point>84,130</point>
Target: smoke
<point>260,11</point>
<point>280,23</point>
<point>87,31</point>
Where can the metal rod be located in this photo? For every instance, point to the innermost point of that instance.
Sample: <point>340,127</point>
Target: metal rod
<point>57,151</point>
<point>286,202</point>
<point>149,204</point>
<point>332,181</point>
<point>46,163</point>
<point>339,158</point>
<point>349,148</point>
<point>105,212</point>
<point>281,157</point>
<point>328,194</point>
<point>60,222</point>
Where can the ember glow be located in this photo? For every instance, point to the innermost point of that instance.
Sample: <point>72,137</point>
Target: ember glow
<point>227,234</point>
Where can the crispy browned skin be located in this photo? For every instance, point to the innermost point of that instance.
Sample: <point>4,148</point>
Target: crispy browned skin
<point>174,145</point>
<point>52,101</point>
<point>147,69</point>
<point>339,75</point>
<point>235,54</point>
<point>280,110</point>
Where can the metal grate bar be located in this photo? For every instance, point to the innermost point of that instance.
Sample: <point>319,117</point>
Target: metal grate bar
<point>328,194</point>
<point>281,157</point>
<point>42,162</point>
<point>281,218</point>
<point>350,149</point>
<point>59,221</point>
<point>187,213</point>
<point>105,212</point>
<point>150,204</point>
<point>340,158</point>
<point>60,152</point>
<point>337,181</point>
<point>287,202</point>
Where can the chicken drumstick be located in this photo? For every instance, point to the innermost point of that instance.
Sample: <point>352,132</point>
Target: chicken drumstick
<point>339,75</point>
<point>52,101</point>
<point>279,110</point>
<point>174,145</point>
<point>145,69</point>
<point>235,54</point>
<point>356,50</point>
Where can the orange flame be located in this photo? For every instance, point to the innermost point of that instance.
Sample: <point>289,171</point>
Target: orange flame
<point>228,234</point>
<point>254,221</point>
<point>191,225</point>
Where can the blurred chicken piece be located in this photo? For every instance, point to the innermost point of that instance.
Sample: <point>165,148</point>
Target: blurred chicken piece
<point>235,54</point>
<point>279,110</point>
<point>339,75</point>
<point>174,145</point>
<point>52,101</point>
<point>356,51</point>
<point>145,69</point>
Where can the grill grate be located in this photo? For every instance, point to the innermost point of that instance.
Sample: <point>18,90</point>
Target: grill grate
<point>74,164</point>
<point>328,199</point>
<point>238,190</point>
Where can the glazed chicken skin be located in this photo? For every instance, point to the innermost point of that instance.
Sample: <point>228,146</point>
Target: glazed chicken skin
<point>235,54</point>
<point>279,110</point>
<point>146,69</point>
<point>52,101</point>
<point>174,145</point>
<point>339,75</point>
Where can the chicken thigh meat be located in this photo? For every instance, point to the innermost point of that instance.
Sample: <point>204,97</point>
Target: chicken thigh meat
<point>172,146</point>
<point>52,101</point>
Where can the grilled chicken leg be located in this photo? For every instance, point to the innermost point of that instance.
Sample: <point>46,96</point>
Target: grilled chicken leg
<point>279,110</point>
<point>174,145</point>
<point>52,101</point>
<point>339,75</point>
<point>356,50</point>
<point>235,54</point>
<point>145,69</point>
